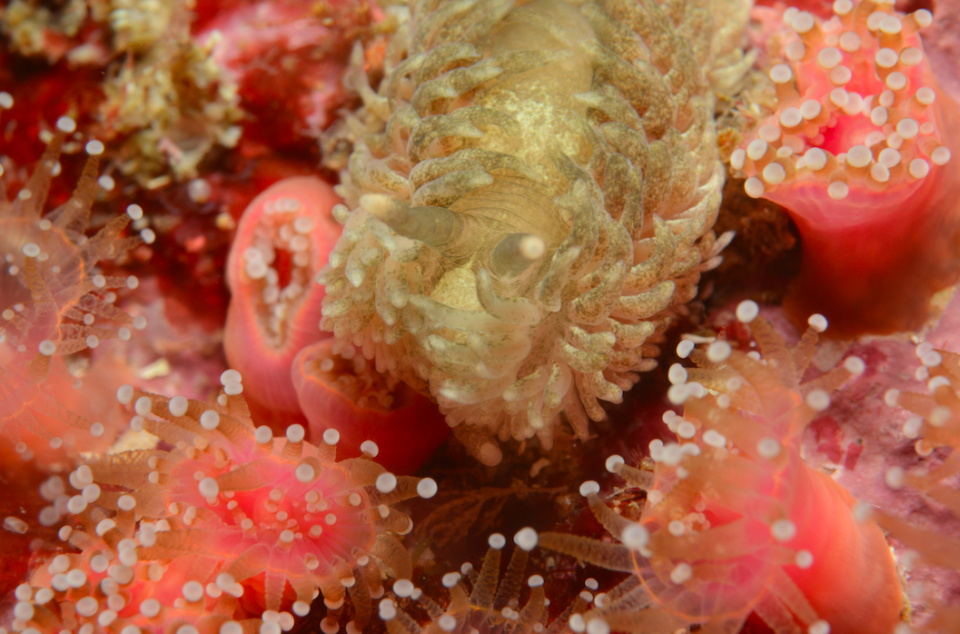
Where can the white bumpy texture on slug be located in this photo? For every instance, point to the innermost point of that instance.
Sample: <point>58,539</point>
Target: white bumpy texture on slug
<point>531,190</point>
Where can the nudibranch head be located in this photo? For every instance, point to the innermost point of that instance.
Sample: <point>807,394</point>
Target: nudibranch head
<point>55,301</point>
<point>283,239</point>
<point>175,537</point>
<point>735,522</point>
<point>343,391</point>
<point>528,198</point>
<point>858,150</point>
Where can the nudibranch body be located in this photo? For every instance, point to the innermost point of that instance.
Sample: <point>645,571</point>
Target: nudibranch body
<point>226,531</point>
<point>528,199</point>
<point>859,152</point>
<point>283,239</point>
<point>735,522</point>
<point>54,301</point>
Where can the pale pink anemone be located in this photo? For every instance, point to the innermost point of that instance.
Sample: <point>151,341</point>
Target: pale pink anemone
<point>56,302</point>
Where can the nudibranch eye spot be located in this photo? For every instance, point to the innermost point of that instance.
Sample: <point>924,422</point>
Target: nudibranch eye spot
<point>735,522</point>
<point>55,301</point>
<point>858,152</point>
<point>174,538</point>
<point>528,200</point>
<point>282,240</point>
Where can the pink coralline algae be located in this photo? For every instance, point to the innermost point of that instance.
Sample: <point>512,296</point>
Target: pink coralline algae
<point>858,150</point>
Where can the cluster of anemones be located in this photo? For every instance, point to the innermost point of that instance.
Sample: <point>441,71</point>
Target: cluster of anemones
<point>173,539</point>
<point>734,521</point>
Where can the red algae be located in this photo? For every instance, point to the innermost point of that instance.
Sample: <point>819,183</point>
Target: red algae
<point>858,151</point>
<point>282,241</point>
<point>735,523</point>
<point>55,302</point>
<point>343,391</point>
<point>294,49</point>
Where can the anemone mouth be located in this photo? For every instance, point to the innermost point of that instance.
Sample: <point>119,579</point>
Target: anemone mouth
<point>855,111</point>
<point>280,244</point>
<point>278,266</point>
<point>349,374</point>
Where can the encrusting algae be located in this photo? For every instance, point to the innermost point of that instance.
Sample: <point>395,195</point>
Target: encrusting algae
<point>935,426</point>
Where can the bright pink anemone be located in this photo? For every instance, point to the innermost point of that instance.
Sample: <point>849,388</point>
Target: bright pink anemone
<point>221,529</point>
<point>283,239</point>
<point>54,303</point>
<point>858,151</point>
<point>343,391</point>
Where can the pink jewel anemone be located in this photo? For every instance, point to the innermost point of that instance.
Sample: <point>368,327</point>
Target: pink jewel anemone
<point>54,302</point>
<point>858,151</point>
<point>342,390</point>
<point>283,239</point>
<point>734,521</point>
<point>173,539</point>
